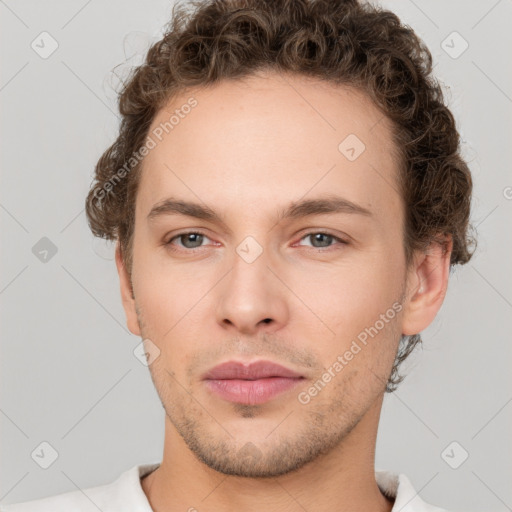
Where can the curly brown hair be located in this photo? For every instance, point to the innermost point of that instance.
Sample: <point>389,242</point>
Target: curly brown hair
<point>344,42</point>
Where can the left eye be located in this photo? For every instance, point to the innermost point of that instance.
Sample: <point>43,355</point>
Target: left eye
<point>323,239</point>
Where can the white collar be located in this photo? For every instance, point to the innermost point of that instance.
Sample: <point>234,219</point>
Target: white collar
<point>126,494</point>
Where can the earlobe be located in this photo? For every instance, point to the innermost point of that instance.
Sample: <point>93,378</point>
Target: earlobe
<point>427,284</point>
<point>127,294</point>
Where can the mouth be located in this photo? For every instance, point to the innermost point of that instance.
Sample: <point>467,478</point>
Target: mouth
<point>250,384</point>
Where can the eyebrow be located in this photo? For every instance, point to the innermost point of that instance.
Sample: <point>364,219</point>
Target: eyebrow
<point>298,209</point>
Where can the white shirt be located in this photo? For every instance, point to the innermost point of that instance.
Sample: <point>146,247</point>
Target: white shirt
<point>126,495</point>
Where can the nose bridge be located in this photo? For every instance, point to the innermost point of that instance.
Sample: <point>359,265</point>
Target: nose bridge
<point>250,265</point>
<point>250,274</point>
<point>251,295</point>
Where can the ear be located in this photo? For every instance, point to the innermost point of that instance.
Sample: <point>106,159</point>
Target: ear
<point>127,294</point>
<point>427,282</point>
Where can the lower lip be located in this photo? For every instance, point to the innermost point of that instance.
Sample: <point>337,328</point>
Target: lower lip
<point>252,392</point>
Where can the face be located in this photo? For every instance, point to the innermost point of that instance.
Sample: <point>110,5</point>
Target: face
<point>293,254</point>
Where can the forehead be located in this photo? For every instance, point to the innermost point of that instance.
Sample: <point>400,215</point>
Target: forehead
<point>277,137</point>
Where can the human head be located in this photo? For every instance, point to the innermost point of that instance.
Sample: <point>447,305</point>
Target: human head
<point>346,43</point>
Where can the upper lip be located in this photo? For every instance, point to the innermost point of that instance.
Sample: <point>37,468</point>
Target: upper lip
<point>249,371</point>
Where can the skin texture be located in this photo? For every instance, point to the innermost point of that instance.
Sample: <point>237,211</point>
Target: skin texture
<point>247,150</point>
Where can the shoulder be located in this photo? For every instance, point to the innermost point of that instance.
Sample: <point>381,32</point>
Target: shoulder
<point>83,501</point>
<point>125,493</point>
<point>406,498</point>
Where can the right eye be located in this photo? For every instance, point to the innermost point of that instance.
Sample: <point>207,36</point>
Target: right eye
<point>188,240</point>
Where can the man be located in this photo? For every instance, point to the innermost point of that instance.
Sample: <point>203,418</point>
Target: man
<point>288,196</point>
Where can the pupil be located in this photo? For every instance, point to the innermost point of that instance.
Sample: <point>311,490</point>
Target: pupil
<point>327,238</point>
<point>193,236</point>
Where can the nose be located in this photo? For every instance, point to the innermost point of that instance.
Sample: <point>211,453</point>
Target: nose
<point>252,298</point>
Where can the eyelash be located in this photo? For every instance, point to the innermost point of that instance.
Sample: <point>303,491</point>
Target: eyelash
<point>318,249</point>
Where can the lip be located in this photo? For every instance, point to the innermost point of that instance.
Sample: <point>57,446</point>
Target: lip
<point>250,384</point>
<point>249,371</point>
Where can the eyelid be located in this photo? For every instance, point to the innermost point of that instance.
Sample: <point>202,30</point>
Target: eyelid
<point>342,239</point>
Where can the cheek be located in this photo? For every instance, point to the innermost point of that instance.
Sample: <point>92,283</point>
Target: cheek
<point>165,304</point>
<point>173,302</point>
<point>163,290</point>
<point>359,308</point>
<point>350,297</point>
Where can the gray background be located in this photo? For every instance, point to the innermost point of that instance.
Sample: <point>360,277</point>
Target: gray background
<point>68,373</point>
